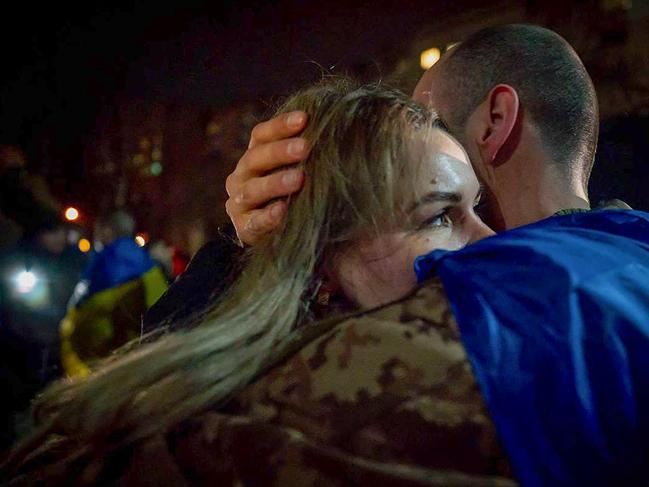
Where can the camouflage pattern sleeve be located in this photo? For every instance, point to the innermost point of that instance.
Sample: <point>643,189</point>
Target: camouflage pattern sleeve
<point>383,398</point>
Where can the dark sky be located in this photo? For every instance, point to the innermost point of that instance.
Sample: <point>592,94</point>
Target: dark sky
<point>62,64</point>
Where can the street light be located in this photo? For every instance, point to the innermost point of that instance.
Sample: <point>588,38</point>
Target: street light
<point>84,245</point>
<point>30,287</point>
<point>429,57</point>
<point>71,214</point>
<point>25,281</point>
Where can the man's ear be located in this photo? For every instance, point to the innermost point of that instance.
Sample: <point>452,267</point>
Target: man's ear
<point>498,120</point>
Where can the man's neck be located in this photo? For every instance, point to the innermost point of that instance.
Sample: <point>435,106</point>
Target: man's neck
<point>524,215</point>
<point>540,199</point>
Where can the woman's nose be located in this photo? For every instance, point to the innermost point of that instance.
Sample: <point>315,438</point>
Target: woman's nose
<point>478,230</point>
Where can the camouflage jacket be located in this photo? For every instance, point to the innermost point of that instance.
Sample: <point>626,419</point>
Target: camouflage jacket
<point>383,398</point>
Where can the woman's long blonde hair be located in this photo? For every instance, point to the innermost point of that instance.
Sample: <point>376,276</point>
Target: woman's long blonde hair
<point>362,152</point>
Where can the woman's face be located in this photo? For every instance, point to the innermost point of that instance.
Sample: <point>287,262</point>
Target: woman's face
<point>441,215</point>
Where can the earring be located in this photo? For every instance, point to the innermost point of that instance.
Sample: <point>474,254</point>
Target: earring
<point>324,295</point>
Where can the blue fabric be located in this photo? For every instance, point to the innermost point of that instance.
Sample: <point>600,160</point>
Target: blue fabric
<point>555,319</point>
<point>120,262</point>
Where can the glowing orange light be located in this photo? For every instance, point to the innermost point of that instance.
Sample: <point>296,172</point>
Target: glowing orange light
<point>71,214</point>
<point>429,57</point>
<point>139,239</point>
<point>84,245</point>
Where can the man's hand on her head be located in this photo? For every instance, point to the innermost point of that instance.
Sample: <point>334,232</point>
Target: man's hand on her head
<point>250,186</point>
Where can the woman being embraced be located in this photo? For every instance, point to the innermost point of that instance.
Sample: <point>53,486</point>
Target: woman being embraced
<point>384,184</point>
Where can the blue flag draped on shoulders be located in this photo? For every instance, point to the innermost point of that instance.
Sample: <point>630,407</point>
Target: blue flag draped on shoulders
<point>116,288</point>
<point>555,319</point>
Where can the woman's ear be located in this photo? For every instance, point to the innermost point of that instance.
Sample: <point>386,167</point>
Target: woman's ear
<point>498,117</point>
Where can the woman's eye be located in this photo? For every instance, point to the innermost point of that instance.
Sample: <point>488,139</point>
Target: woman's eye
<point>440,220</point>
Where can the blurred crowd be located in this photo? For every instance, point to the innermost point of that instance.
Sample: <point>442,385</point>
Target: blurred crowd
<point>64,302</point>
<point>72,290</point>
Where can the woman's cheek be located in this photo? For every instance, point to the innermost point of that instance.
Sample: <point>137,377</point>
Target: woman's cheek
<point>393,269</point>
<point>439,240</point>
<point>394,276</point>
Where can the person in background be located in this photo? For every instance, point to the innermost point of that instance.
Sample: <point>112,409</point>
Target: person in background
<point>22,196</point>
<point>37,278</point>
<point>179,261</point>
<point>120,282</point>
<point>173,260</point>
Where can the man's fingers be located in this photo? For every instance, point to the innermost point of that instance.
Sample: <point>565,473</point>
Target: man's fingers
<point>258,191</point>
<point>263,159</point>
<point>266,157</point>
<point>280,127</point>
<point>272,145</point>
<point>261,222</point>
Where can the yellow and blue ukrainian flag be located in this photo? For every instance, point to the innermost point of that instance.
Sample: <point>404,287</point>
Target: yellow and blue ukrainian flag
<point>105,312</point>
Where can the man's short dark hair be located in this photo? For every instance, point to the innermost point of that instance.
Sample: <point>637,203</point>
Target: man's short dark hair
<point>552,84</point>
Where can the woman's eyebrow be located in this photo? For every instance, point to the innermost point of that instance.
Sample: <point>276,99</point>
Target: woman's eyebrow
<point>435,197</point>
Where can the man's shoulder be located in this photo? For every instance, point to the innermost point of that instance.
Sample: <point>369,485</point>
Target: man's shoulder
<point>558,309</point>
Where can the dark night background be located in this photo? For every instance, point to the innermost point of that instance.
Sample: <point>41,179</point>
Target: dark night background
<point>76,78</point>
<point>62,64</point>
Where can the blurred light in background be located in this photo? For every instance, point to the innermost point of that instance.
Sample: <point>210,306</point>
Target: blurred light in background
<point>31,287</point>
<point>73,236</point>
<point>138,159</point>
<point>429,57</point>
<point>145,144</point>
<point>25,282</point>
<point>140,240</point>
<point>155,169</point>
<point>616,4</point>
<point>84,245</point>
<point>213,128</point>
<point>71,214</point>
<point>451,45</point>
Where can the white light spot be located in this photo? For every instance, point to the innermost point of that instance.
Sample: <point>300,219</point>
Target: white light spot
<point>26,282</point>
